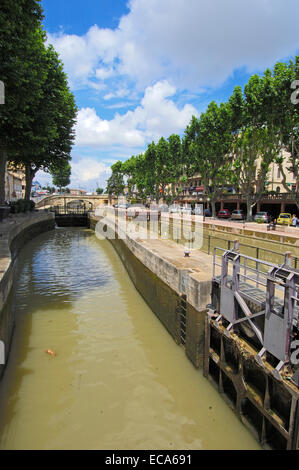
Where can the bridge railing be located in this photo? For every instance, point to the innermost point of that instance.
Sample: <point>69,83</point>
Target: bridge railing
<point>61,210</point>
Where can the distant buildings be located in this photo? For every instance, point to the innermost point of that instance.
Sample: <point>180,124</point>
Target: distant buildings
<point>14,184</point>
<point>77,192</point>
<point>274,181</point>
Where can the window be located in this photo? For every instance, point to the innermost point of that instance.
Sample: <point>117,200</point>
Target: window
<point>278,173</point>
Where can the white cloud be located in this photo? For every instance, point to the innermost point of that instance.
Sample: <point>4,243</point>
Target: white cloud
<point>102,73</point>
<point>197,43</point>
<point>157,116</point>
<point>88,172</point>
<point>119,93</point>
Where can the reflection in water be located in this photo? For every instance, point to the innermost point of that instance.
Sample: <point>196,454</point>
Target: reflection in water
<point>118,380</point>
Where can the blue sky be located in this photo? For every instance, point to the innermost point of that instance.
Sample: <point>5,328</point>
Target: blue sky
<point>140,69</point>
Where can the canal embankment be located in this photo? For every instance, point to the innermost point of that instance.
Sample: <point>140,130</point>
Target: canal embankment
<point>15,231</point>
<point>176,287</point>
<point>178,290</point>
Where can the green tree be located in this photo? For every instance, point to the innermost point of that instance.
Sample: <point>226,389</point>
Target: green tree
<point>256,142</point>
<point>52,125</point>
<point>211,150</point>
<point>99,191</point>
<point>189,166</point>
<point>163,167</point>
<point>61,175</point>
<point>176,160</point>
<point>115,184</point>
<point>252,159</point>
<point>20,46</point>
<point>285,117</point>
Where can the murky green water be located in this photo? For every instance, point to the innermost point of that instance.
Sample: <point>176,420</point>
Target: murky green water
<point>118,380</point>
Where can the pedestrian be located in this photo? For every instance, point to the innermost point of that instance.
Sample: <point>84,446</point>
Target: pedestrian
<point>272,224</point>
<point>294,220</point>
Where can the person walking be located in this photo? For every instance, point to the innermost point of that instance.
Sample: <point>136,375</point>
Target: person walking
<point>295,221</point>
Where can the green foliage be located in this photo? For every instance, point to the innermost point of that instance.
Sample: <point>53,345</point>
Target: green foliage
<point>37,121</point>
<point>21,205</point>
<point>115,184</point>
<point>168,199</point>
<point>230,143</point>
<point>99,191</point>
<point>61,175</point>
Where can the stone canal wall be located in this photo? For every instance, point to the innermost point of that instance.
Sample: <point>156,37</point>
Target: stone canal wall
<point>178,295</point>
<point>174,292</point>
<point>14,233</point>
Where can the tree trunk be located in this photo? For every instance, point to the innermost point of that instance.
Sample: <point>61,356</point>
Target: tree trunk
<point>249,208</point>
<point>29,173</point>
<point>213,204</point>
<point>3,161</point>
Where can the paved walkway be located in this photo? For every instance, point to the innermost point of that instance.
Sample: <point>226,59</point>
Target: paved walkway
<point>280,230</point>
<point>201,263</point>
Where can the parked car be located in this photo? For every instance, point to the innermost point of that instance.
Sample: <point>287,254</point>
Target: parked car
<point>224,214</point>
<point>284,218</point>
<point>123,206</point>
<point>262,216</point>
<point>237,215</point>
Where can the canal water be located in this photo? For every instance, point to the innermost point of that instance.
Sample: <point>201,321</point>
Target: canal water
<point>118,380</point>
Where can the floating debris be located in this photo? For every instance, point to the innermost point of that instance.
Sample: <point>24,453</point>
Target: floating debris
<point>49,351</point>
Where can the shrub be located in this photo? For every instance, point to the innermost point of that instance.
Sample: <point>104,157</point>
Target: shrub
<point>168,199</point>
<point>21,205</point>
<point>31,205</point>
<point>134,200</point>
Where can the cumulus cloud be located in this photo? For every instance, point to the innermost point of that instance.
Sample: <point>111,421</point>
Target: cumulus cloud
<point>89,173</point>
<point>156,116</point>
<point>197,43</point>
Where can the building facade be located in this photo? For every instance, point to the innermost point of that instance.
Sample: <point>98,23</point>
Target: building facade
<point>14,184</point>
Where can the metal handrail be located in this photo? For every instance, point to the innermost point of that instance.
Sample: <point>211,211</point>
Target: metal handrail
<point>246,267</point>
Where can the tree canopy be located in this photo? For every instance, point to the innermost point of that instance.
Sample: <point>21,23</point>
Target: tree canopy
<point>37,120</point>
<point>232,143</point>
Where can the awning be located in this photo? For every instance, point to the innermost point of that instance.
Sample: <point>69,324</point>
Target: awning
<point>199,188</point>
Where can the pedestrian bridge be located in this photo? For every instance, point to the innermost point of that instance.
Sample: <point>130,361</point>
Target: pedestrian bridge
<point>90,203</point>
